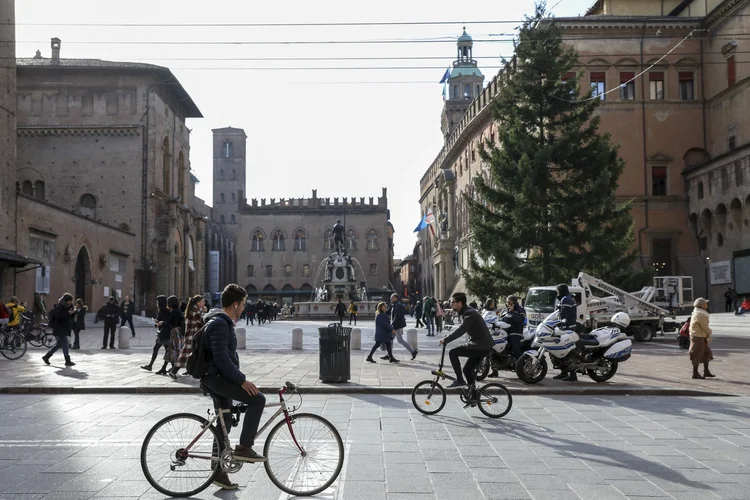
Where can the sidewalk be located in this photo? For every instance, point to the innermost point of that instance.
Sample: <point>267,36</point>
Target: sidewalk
<point>658,367</point>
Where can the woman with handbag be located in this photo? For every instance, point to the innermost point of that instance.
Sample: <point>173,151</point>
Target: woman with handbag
<point>700,336</point>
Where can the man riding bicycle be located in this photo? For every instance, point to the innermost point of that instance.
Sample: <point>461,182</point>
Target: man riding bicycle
<point>479,345</point>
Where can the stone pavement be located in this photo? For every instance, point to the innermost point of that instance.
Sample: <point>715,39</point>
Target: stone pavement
<point>561,448</point>
<point>269,361</point>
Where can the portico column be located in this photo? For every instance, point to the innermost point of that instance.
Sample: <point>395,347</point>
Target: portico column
<point>436,269</point>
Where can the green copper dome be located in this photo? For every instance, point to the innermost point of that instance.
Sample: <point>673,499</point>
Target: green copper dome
<point>465,37</point>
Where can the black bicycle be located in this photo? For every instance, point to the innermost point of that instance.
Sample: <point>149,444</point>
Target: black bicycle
<point>429,397</point>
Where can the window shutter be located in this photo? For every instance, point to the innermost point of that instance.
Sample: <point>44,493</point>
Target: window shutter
<point>597,76</point>
<point>626,76</point>
<point>685,75</point>
<point>656,76</point>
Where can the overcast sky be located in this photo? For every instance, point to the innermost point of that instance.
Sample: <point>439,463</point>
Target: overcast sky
<point>336,130</point>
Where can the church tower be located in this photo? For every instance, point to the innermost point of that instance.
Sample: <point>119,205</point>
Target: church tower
<point>465,85</point>
<point>229,176</point>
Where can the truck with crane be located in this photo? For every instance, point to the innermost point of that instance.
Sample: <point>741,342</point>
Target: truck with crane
<point>652,309</point>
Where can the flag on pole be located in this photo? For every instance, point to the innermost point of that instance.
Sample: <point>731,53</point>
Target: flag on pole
<point>430,217</point>
<point>422,224</point>
<point>446,76</point>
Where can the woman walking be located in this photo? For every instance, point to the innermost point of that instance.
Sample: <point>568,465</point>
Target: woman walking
<point>61,318</point>
<point>418,314</point>
<point>196,308</point>
<point>383,333</point>
<point>176,333</point>
<point>162,332</point>
<point>700,336</point>
<point>79,322</point>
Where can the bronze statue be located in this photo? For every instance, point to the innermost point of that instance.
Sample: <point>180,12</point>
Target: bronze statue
<point>338,237</point>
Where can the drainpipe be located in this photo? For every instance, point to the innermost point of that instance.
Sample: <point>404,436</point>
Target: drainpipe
<point>645,155</point>
<point>703,99</point>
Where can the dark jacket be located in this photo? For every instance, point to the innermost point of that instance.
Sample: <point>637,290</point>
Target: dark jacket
<point>221,341</point>
<point>418,311</point>
<point>567,307</point>
<point>474,325</point>
<point>111,312</point>
<point>61,320</point>
<point>249,308</point>
<point>383,328</point>
<point>398,315</point>
<point>79,320</point>
<point>164,316</point>
<point>177,320</point>
<point>127,310</point>
<point>340,309</point>
<point>515,319</point>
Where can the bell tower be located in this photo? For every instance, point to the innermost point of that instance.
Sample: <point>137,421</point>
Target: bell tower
<point>464,85</point>
<point>229,176</point>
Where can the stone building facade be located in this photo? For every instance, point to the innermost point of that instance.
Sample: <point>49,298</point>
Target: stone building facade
<point>284,242</point>
<point>667,121</point>
<point>108,141</point>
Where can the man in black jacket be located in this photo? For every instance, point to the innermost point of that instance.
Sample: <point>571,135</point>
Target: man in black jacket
<point>224,378</point>
<point>340,311</point>
<point>397,313</point>
<point>60,321</point>
<point>110,313</point>
<point>127,310</point>
<point>479,345</point>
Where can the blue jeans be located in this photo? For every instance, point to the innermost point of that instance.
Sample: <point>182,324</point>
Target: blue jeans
<point>430,322</point>
<point>62,341</point>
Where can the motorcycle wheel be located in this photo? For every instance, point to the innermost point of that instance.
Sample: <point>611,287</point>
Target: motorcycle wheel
<point>526,371</point>
<point>483,369</point>
<point>606,370</point>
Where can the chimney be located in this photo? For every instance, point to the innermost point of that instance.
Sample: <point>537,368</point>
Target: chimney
<point>55,44</point>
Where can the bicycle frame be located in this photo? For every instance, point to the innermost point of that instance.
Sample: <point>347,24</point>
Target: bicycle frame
<point>439,373</point>
<point>282,409</point>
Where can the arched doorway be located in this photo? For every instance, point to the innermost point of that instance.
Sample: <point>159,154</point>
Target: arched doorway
<point>83,276</point>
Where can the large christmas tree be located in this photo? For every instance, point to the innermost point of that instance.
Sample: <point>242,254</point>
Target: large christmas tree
<point>549,210</point>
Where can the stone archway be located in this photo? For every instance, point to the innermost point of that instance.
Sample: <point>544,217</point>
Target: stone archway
<point>83,276</point>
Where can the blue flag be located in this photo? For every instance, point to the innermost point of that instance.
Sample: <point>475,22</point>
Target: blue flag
<point>422,224</point>
<point>446,76</point>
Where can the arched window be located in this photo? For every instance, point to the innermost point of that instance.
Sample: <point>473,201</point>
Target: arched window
<point>467,90</point>
<point>222,219</point>
<point>234,174</point>
<point>88,205</point>
<point>166,160</point>
<point>351,239</point>
<point>455,91</point>
<point>373,269</point>
<point>306,270</point>
<point>287,271</point>
<point>372,239</point>
<point>328,239</point>
<point>300,241</point>
<point>269,271</point>
<point>256,241</point>
<point>234,221</point>
<point>181,175</point>
<point>250,271</point>
<point>233,198</point>
<point>226,150</point>
<point>700,190</point>
<point>27,188</point>
<point>277,238</point>
<point>39,190</point>
<point>222,198</point>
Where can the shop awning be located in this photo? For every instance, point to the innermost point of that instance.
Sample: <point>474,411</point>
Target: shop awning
<point>15,260</point>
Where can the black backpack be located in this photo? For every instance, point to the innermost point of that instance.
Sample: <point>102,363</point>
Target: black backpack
<point>197,365</point>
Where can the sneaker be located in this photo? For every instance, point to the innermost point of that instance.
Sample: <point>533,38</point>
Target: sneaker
<point>414,355</point>
<point>104,347</point>
<point>221,479</point>
<point>457,383</point>
<point>112,347</point>
<point>246,454</point>
<point>173,375</point>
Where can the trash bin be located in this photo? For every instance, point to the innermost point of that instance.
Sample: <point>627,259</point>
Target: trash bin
<point>334,353</point>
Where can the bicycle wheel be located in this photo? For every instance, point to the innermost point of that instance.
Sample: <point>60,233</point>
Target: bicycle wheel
<point>428,397</point>
<point>49,340</point>
<point>495,400</point>
<point>35,338</point>
<point>13,345</point>
<point>305,474</point>
<point>169,467</point>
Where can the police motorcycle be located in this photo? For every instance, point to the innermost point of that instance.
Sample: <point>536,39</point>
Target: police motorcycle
<point>596,354</point>
<point>501,357</point>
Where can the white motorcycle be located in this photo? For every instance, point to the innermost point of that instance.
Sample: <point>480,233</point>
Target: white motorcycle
<point>501,357</point>
<point>596,354</point>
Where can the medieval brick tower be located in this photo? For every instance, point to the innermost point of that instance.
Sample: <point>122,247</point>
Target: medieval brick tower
<point>229,176</point>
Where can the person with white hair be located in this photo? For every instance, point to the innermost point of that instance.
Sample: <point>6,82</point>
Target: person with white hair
<point>700,337</point>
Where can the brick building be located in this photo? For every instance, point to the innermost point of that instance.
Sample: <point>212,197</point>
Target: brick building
<point>284,242</point>
<point>669,123</point>
<point>107,141</point>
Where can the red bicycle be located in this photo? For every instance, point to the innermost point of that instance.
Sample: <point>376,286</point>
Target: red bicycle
<point>182,453</point>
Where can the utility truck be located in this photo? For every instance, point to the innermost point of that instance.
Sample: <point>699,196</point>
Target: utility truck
<point>652,309</point>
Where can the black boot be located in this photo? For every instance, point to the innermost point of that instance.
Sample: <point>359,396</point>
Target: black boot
<point>561,376</point>
<point>695,373</point>
<point>571,377</point>
<point>68,362</point>
<point>163,370</point>
<point>706,373</point>
<point>45,358</point>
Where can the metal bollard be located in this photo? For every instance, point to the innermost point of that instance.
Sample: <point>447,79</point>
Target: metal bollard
<point>123,337</point>
<point>356,339</point>
<point>412,338</point>
<point>297,338</point>
<point>241,338</point>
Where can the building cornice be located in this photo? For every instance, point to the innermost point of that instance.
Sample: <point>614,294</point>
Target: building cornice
<point>82,131</point>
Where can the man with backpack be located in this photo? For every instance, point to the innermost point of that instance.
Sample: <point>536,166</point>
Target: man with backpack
<point>224,378</point>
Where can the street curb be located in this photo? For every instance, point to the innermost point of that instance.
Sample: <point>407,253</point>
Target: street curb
<point>362,389</point>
